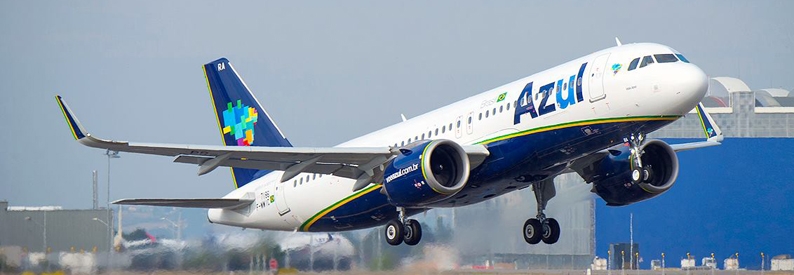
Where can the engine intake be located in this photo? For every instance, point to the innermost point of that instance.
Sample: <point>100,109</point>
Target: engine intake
<point>612,179</point>
<point>426,172</point>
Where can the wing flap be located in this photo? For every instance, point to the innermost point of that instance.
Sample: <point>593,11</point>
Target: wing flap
<point>189,203</point>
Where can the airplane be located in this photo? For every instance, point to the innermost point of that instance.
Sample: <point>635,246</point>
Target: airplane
<point>588,116</point>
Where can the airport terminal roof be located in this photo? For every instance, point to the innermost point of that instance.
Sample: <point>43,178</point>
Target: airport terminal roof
<point>723,85</point>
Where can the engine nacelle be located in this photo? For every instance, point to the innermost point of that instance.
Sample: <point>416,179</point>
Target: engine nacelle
<point>426,172</point>
<point>611,176</point>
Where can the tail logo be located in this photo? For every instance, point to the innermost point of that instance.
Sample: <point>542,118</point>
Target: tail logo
<point>239,122</point>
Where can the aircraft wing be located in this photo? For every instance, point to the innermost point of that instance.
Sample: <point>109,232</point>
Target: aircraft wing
<point>189,203</point>
<point>350,162</point>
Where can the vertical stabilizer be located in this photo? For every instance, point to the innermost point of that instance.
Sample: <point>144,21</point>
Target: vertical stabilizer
<point>241,119</point>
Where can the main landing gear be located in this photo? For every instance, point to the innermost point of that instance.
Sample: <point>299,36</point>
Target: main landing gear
<point>402,230</point>
<point>540,227</point>
<point>639,173</point>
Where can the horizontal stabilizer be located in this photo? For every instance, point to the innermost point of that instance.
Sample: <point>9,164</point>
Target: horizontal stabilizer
<point>189,203</point>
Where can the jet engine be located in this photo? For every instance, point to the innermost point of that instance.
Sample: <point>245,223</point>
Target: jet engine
<point>425,172</point>
<point>619,180</point>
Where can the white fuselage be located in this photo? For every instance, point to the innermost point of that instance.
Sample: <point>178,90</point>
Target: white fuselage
<point>644,98</point>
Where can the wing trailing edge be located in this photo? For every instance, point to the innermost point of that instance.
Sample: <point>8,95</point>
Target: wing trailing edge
<point>189,203</point>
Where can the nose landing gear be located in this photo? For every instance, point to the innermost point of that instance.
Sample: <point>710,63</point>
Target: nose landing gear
<point>402,230</point>
<point>541,228</point>
<point>639,173</point>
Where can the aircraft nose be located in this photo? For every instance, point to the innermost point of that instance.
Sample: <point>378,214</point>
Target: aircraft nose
<point>690,83</point>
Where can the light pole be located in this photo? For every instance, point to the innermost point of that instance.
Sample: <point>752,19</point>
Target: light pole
<point>111,155</point>
<point>662,263</point>
<point>178,226</point>
<point>44,231</point>
<point>762,263</point>
<point>110,241</point>
<point>737,263</point>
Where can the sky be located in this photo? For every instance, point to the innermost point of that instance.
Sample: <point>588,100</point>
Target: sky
<point>326,72</point>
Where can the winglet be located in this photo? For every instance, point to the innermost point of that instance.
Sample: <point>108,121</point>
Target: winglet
<point>710,128</point>
<point>74,125</point>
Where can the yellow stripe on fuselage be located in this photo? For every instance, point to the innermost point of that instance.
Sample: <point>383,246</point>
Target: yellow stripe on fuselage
<point>574,124</point>
<point>305,226</point>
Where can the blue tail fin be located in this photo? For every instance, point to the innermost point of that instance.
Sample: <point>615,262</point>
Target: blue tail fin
<point>241,119</point>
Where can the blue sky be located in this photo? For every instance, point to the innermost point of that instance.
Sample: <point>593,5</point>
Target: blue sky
<point>326,72</point>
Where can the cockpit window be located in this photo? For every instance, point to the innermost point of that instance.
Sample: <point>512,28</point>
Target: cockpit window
<point>665,58</point>
<point>633,64</point>
<point>646,60</point>
<point>681,56</point>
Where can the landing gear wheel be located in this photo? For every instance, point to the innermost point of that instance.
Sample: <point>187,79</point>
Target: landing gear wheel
<point>636,175</point>
<point>532,231</point>
<point>647,174</point>
<point>551,231</point>
<point>413,232</point>
<point>394,232</point>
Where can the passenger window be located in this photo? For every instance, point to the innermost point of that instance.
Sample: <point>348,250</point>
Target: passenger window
<point>423,136</point>
<point>409,140</point>
<point>634,64</point>
<point>486,113</point>
<point>665,58</point>
<point>458,123</point>
<point>416,138</point>
<point>646,60</point>
<point>469,120</point>
<point>301,181</point>
<point>508,106</point>
<point>480,116</point>
<point>402,143</point>
<point>443,129</point>
<point>494,110</point>
<point>681,56</point>
<point>436,131</point>
<point>500,108</point>
<point>450,126</point>
<point>429,134</point>
<point>295,183</point>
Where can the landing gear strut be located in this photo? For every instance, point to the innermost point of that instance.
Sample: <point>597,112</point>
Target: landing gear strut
<point>639,173</point>
<point>541,228</point>
<point>402,230</point>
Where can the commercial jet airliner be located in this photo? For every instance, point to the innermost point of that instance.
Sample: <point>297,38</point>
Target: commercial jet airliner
<point>587,116</point>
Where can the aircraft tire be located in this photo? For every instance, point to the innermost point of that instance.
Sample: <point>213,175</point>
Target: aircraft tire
<point>647,174</point>
<point>551,231</point>
<point>394,232</point>
<point>637,175</point>
<point>413,232</point>
<point>532,231</point>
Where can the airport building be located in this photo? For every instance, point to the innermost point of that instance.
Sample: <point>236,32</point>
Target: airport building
<point>31,229</point>
<point>490,232</point>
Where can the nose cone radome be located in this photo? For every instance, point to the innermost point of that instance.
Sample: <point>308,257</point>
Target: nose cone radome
<point>690,85</point>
